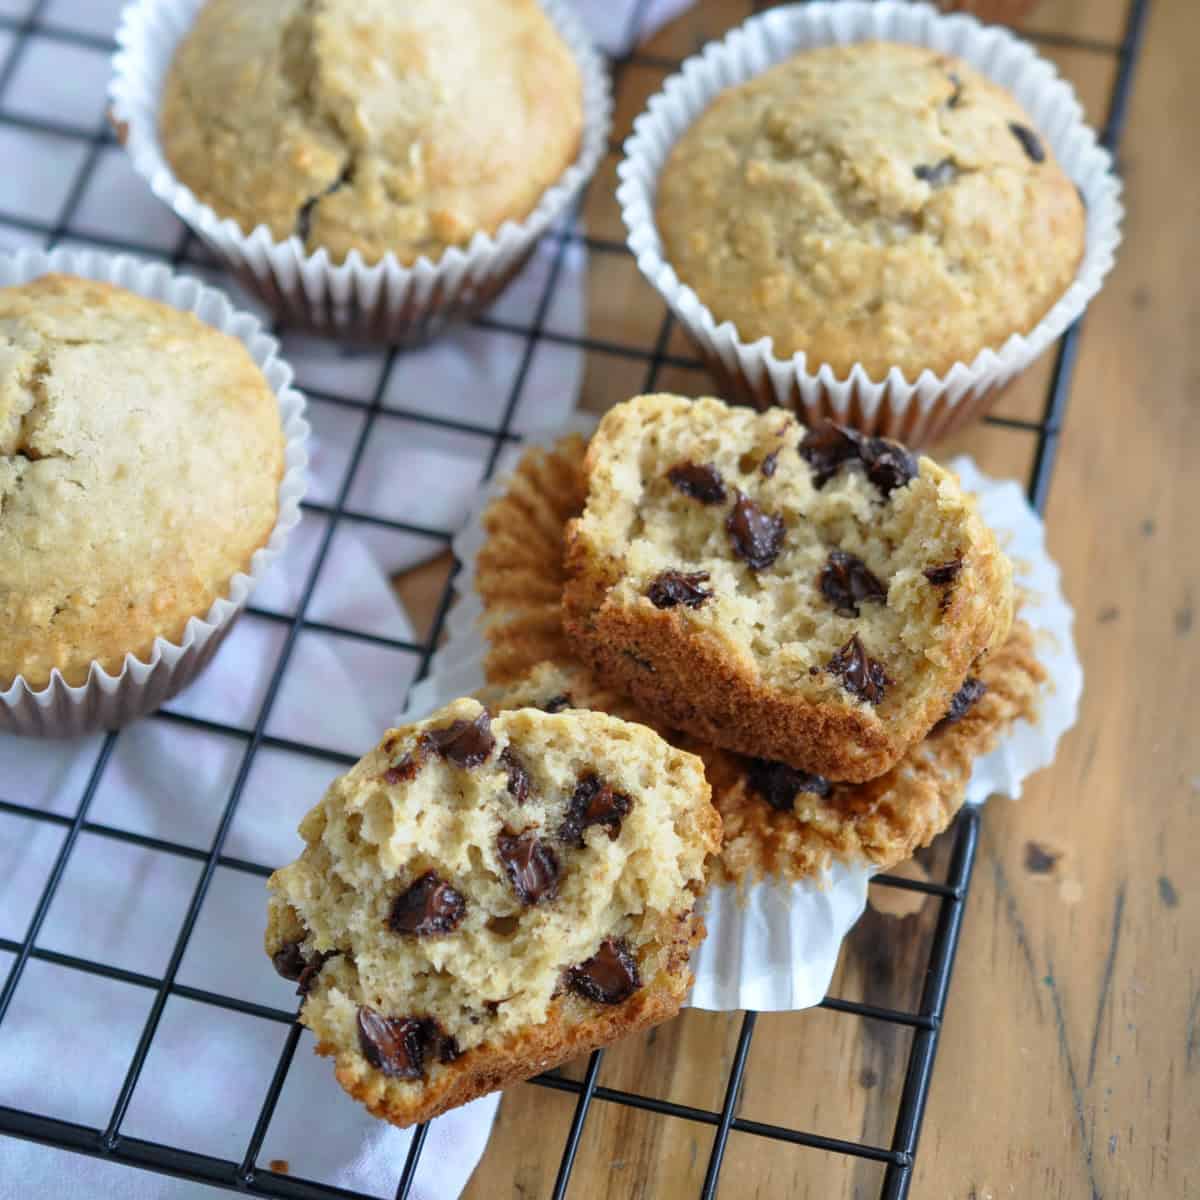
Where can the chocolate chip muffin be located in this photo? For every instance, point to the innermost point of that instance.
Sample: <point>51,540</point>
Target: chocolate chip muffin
<point>482,898</point>
<point>811,596</point>
<point>140,459</point>
<point>372,126</point>
<point>873,203</point>
<point>777,821</point>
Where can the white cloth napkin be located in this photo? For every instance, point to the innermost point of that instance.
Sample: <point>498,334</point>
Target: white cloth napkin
<point>122,904</point>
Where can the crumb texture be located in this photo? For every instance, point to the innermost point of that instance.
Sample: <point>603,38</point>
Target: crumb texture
<point>485,885</point>
<point>875,203</point>
<point>785,610</point>
<point>140,459</point>
<point>369,125</point>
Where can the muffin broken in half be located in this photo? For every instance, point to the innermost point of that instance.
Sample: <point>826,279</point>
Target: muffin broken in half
<point>481,899</point>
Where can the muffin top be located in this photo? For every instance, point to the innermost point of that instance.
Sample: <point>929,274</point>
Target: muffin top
<point>875,203</point>
<point>370,125</point>
<point>140,459</point>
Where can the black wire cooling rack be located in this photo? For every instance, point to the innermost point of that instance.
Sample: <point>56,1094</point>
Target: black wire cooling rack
<point>88,147</point>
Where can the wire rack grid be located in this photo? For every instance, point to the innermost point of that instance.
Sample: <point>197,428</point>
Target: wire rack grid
<point>74,154</point>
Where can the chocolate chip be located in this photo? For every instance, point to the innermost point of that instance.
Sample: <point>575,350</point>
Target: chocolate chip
<point>671,588</point>
<point>861,675</point>
<point>557,703</point>
<point>465,743</point>
<point>846,582</point>
<point>944,573</point>
<point>937,175</point>
<point>609,976</point>
<point>518,777</point>
<point>593,803</point>
<point>398,1046</point>
<point>428,908</point>
<point>1030,142</point>
<point>289,961</point>
<point>956,95</point>
<point>825,447</point>
<point>701,482</point>
<point>405,769</point>
<point>769,464</point>
<point>393,1045</point>
<point>889,466</point>
<point>757,536</point>
<point>778,784</point>
<point>828,446</point>
<point>531,864</point>
<point>962,702</point>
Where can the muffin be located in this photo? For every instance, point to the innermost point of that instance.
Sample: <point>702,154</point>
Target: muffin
<point>482,898</point>
<point>873,203</point>
<point>141,453</point>
<point>370,126</point>
<point>815,597</point>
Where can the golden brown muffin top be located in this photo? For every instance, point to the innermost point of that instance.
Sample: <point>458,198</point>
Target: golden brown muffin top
<point>370,125</point>
<point>140,459</point>
<point>875,203</point>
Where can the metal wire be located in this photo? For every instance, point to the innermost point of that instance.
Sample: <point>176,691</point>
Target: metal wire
<point>247,1175</point>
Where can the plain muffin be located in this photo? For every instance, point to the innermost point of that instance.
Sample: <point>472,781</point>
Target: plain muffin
<point>140,459</point>
<point>369,125</point>
<point>875,203</point>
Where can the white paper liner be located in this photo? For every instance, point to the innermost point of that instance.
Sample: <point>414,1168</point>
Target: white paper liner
<point>774,948</point>
<point>933,405</point>
<point>107,701</point>
<point>383,301</point>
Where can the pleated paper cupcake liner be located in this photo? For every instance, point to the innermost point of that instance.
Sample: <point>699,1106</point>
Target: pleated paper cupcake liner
<point>382,302</point>
<point>932,406</point>
<point>107,701</point>
<point>774,945</point>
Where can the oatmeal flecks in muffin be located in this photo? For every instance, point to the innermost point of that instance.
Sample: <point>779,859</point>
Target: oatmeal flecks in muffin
<point>818,640</point>
<point>876,203</point>
<point>467,935</point>
<point>369,125</point>
<point>140,457</point>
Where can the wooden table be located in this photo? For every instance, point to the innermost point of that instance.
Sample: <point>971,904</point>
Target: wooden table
<point>1069,1063</point>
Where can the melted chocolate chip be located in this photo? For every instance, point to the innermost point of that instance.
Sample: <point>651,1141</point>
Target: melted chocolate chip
<point>938,174</point>
<point>846,582</point>
<point>465,743</point>
<point>398,1046</point>
<point>557,703</point>
<point>825,447</point>
<point>944,573</point>
<point>1030,142</point>
<point>428,908</point>
<point>828,446</point>
<point>531,865</point>
<point>405,769</point>
<point>518,777</point>
<point>393,1045</point>
<point>671,588</point>
<point>861,675</point>
<point>889,466</point>
<point>778,784</point>
<point>769,464</point>
<point>609,976</point>
<point>757,536</point>
<point>701,482</point>
<point>593,803</point>
<point>289,961</point>
<point>962,702</point>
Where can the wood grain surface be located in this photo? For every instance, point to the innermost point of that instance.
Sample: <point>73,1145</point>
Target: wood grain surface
<point>1069,1064</point>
